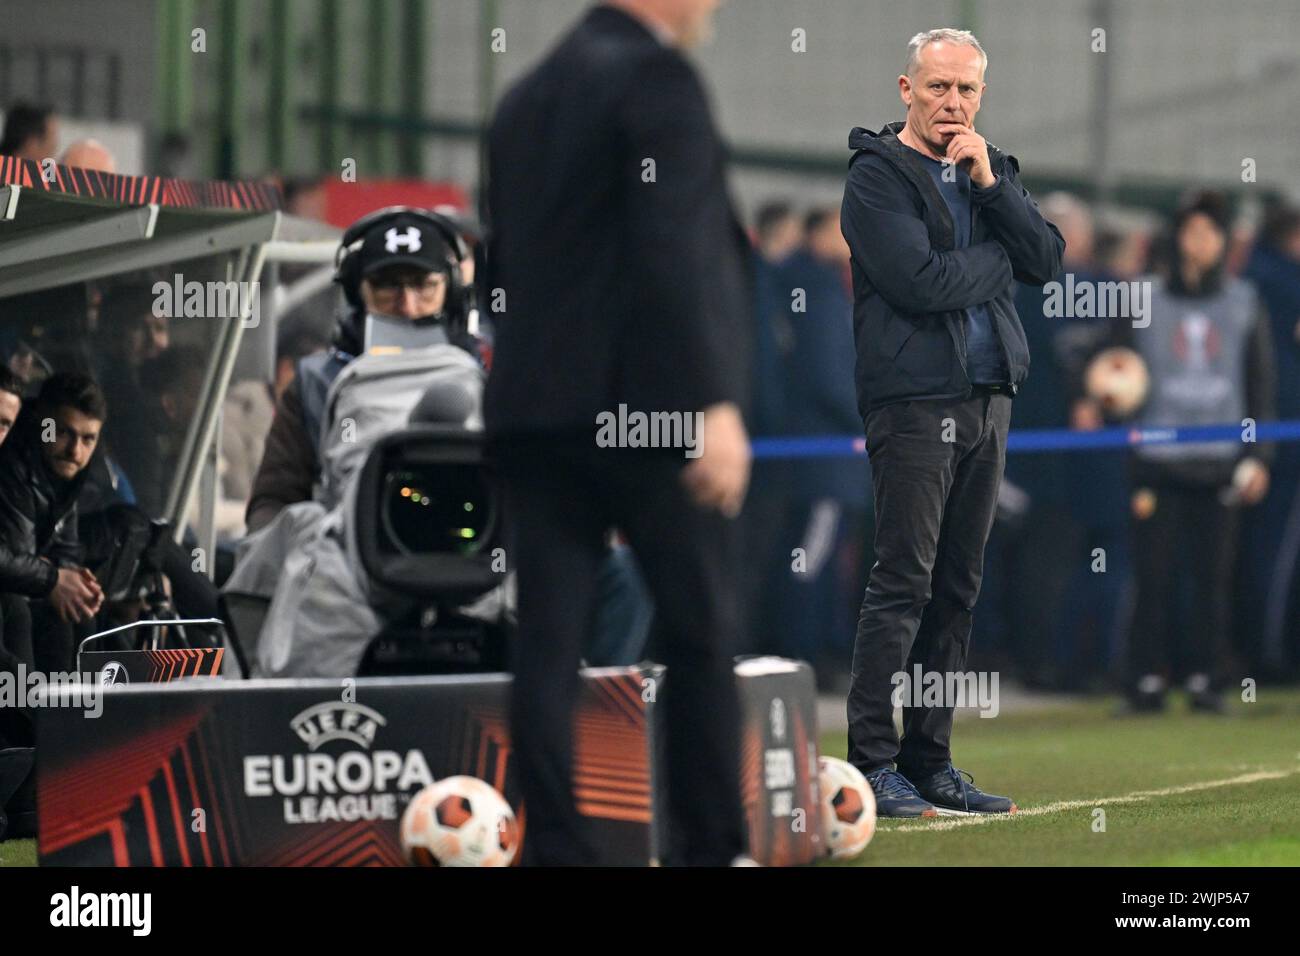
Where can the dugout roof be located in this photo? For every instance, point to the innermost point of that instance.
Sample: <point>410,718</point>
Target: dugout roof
<point>75,225</point>
<point>82,224</point>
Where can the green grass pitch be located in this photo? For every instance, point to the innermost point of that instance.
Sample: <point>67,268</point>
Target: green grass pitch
<point>1176,789</point>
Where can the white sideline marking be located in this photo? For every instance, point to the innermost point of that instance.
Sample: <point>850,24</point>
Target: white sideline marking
<point>1136,797</point>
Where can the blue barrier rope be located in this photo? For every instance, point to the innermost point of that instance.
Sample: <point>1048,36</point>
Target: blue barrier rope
<point>1042,439</point>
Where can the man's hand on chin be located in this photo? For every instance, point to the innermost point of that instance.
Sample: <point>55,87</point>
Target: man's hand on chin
<point>968,149</point>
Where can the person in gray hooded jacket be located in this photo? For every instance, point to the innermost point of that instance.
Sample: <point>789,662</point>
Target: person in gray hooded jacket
<point>1208,349</point>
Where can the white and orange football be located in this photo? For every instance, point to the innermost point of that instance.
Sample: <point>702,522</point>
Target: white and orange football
<point>1118,379</point>
<point>848,808</point>
<point>459,821</point>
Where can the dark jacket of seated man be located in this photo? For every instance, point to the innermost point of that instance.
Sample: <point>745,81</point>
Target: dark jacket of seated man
<point>38,515</point>
<point>43,466</point>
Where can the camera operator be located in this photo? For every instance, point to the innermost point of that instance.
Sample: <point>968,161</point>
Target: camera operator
<point>400,267</point>
<point>408,264</point>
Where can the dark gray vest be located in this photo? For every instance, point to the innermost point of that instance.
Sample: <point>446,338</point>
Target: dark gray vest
<point>1195,350</point>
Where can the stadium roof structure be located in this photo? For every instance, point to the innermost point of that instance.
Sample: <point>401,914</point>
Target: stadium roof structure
<point>73,225</point>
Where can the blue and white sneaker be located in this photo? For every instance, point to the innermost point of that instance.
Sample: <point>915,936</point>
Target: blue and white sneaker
<point>896,797</point>
<point>953,794</point>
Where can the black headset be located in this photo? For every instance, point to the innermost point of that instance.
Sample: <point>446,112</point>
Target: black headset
<point>346,265</point>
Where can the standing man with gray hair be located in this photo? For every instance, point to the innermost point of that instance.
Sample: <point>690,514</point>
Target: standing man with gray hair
<point>939,227</point>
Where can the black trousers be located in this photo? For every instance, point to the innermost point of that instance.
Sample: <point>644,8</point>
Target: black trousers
<point>562,496</point>
<point>34,636</point>
<point>16,653</point>
<point>15,633</point>
<point>936,467</point>
<point>1189,526</point>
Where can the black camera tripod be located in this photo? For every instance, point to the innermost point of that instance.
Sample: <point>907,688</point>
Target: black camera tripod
<point>141,576</point>
<point>148,582</point>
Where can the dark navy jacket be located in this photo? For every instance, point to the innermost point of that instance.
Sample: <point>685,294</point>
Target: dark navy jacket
<point>911,285</point>
<point>620,289</point>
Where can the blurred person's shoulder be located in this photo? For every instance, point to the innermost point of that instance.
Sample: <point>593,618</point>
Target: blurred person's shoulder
<point>646,79</point>
<point>631,61</point>
<point>612,38</point>
<point>604,45</point>
<point>607,72</point>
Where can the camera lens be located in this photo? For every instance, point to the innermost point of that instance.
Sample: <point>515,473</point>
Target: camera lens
<point>439,509</point>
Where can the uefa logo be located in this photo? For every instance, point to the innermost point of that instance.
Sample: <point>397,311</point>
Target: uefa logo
<point>337,720</point>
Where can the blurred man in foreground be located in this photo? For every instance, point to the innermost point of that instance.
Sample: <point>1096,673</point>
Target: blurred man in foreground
<point>624,275</point>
